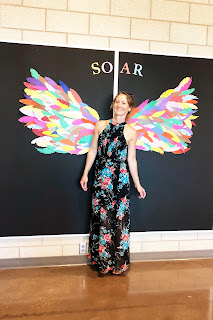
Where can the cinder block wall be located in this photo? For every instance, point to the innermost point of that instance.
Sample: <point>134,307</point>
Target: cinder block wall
<point>181,27</point>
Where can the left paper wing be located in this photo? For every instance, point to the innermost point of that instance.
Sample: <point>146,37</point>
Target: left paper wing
<point>57,115</point>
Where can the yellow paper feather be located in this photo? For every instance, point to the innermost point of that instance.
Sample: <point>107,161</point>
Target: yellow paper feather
<point>68,148</point>
<point>158,114</point>
<point>166,93</point>
<point>188,123</point>
<point>93,112</point>
<point>159,150</point>
<point>83,151</point>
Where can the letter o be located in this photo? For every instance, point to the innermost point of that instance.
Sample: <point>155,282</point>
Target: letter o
<point>103,67</point>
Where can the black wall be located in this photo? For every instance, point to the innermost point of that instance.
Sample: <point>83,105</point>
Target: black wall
<point>41,194</point>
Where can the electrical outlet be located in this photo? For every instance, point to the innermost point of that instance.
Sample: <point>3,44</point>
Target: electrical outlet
<point>83,248</point>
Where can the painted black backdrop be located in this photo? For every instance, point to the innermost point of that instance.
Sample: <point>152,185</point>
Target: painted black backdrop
<point>41,194</point>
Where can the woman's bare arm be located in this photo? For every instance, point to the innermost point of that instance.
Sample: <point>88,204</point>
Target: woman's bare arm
<point>132,162</point>
<point>90,156</point>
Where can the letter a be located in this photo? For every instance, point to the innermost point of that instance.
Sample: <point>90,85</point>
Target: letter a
<point>125,67</point>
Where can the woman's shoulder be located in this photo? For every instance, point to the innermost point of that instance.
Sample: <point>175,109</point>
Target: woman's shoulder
<point>131,133</point>
<point>102,123</point>
<point>130,129</point>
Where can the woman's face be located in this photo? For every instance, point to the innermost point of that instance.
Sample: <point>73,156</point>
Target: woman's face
<point>121,106</point>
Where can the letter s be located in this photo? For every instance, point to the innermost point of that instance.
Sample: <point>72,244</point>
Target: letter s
<point>95,68</point>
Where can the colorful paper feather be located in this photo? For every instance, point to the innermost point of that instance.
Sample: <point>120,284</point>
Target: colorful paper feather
<point>165,124</point>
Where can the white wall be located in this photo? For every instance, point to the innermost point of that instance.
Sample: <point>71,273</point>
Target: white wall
<point>160,26</point>
<point>140,242</point>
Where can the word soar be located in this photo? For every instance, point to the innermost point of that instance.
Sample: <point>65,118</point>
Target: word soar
<point>108,65</point>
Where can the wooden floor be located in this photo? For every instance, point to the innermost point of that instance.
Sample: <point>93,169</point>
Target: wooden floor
<point>158,290</point>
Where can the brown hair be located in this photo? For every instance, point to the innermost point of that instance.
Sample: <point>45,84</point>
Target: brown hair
<point>129,98</point>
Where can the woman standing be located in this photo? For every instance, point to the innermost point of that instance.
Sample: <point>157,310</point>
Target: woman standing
<point>113,150</point>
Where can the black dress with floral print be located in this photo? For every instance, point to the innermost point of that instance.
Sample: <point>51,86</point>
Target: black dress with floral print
<point>110,219</point>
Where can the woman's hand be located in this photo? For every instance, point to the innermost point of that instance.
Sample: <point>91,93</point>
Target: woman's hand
<point>141,190</point>
<point>84,181</point>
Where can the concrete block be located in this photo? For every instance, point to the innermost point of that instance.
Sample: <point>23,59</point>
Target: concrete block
<point>170,10</point>
<point>201,14</point>
<point>168,48</point>
<point>150,30</point>
<point>109,26</point>
<point>44,37</point>
<point>71,250</point>
<point>9,253</point>
<point>48,4</point>
<point>72,22</point>
<point>88,41</point>
<point>200,51</point>
<point>10,34</point>
<point>23,18</point>
<point>43,251</point>
<point>196,245</point>
<point>156,246</point>
<point>131,8</point>
<point>129,44</point>
<point>187,33</point>
<point>93,6</point>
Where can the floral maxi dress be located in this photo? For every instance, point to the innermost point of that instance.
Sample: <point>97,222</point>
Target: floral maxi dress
<point>110,218</point>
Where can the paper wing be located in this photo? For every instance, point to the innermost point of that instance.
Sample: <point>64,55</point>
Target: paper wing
<point>57,115</point>
<point>165,124</point>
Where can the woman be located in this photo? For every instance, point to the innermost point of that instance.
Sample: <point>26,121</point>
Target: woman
<point>113,150</point>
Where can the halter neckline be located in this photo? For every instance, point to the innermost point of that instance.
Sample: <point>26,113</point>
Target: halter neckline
<point>117,123</point>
